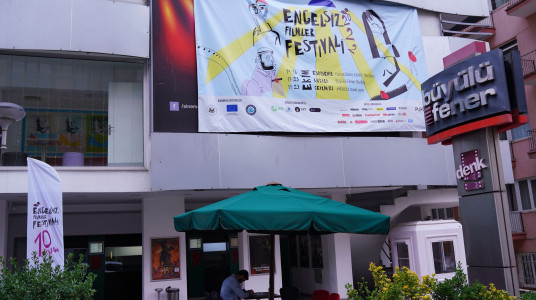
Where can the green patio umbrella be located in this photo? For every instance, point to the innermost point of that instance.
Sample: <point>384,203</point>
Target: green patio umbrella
<point>276,209</point>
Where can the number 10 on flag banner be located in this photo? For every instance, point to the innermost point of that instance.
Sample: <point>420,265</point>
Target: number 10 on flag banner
<point>45,212</point>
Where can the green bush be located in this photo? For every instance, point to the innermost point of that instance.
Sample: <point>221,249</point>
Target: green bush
<point>405,284</point>
<point>458,288</point>
<point>528,296</point>
<point>40,280</point>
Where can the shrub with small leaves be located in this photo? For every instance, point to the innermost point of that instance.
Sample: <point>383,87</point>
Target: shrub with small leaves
<point>458,288</point>
<point>528,296</point>
<point>405,285</point>
<point>40,280</point>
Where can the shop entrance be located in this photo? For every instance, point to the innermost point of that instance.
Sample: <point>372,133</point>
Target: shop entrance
<point>115,259</point>
<point>211,257</point>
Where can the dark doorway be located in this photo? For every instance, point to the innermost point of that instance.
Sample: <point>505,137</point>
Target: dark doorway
<point>212,257</point>
<point>115,259</point>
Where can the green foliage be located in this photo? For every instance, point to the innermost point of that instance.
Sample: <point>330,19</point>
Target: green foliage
<point>405,284</point>
<point>458,288</point>
<point>39,280</point>
<point>528,296</point>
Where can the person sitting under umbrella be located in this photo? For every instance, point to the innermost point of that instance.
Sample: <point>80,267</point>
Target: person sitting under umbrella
<point>231,287</point>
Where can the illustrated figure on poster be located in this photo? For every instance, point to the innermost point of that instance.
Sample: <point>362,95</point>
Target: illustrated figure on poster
<point>218,59</point>
<point>42,125</point>
<point>165,254</point>
<point>71,126</point>
<point>263,81</point>
<point>98,126</point>
<point>391,80</point>
<point>263,30</point>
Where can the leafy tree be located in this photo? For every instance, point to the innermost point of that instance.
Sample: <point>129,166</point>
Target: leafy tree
<point>40,280</point>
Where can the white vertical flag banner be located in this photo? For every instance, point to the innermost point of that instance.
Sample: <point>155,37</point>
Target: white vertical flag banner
<point>45,212</point>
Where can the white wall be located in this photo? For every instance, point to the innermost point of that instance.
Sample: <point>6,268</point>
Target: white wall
<point>76,25</point>
<point>158,216</point>
<point>221,161</point>
<point>365,249</point>
<point>336,271</point>
<point>429,23</point>
<point>82,179</point>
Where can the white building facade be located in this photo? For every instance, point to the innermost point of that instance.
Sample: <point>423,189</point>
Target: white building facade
<point>85,66</point>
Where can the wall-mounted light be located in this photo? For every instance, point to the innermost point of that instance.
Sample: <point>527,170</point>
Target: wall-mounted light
<point>9,113</point>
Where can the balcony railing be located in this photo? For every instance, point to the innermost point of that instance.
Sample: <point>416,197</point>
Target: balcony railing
<point>516,222</point>
<point>528,63</point>
<point>512,3</point>
<point>466,26</point>
<point>532,140</point>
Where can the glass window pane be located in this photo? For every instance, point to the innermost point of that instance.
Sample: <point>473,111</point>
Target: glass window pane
<point>524,194</point>
<point>71,105</point>
<point>444,258</point>
<point>441,213</point>
<point>512,200</point>
<point>403,255</point>
<point>450,213</point>
<point>533,186</point>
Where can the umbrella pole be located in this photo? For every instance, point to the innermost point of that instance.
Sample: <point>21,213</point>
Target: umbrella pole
<point>272,266</point>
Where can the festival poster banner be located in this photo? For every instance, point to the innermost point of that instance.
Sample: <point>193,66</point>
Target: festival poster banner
<point>45,212</point>
<point>259,254</point>
<point>165,259</point>
<point>308,66</point>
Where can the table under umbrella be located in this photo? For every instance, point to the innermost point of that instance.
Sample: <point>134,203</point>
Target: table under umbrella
<point>276,209</point>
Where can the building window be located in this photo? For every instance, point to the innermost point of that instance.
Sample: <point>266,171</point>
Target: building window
<point>524,194</point>
<point>444,258</point>
<point>443,213</point>
<point>527,272</point>
<point>511,194</point>
<point>78,112</point>
<point>403,255</point>
<point>498,3</point>
<point>533,188</point>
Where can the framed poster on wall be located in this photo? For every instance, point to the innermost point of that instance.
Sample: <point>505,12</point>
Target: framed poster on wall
<point>259,254</point>
<point>165,259</point>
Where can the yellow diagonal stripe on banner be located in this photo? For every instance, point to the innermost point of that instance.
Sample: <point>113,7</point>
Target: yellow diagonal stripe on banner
<point>286,70</point>
<point>330,83</point>
<point>385,51</point>
<point>230,53</point>
<point>371,85</point>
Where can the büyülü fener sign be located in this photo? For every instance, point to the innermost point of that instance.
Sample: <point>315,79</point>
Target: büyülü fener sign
<point>467,91</point>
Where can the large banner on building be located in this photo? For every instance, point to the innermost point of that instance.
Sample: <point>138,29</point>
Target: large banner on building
<point>45,212</point>
<point>308,66</point>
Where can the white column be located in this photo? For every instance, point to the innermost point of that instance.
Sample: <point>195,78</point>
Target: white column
<point>338,260</point>
<point>158,216</point>
<point>4,215</point>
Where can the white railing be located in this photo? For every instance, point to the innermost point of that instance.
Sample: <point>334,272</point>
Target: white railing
<point>516,222</point>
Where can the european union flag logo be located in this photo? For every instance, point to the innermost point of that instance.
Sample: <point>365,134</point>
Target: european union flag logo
<point>232,108</point>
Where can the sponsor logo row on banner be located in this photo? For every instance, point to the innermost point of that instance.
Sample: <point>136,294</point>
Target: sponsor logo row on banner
<point>218,113</point>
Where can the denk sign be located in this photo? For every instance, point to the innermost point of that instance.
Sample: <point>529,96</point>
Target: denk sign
<point>470,90</point>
